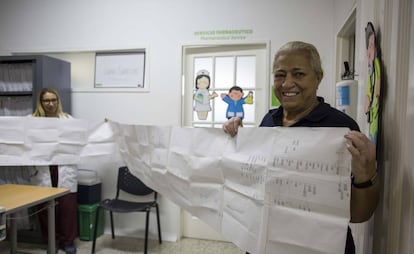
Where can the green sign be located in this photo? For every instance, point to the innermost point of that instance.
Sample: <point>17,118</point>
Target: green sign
<point>235,34</point>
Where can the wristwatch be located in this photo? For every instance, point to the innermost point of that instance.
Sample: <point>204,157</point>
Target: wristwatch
<point>366,184</point>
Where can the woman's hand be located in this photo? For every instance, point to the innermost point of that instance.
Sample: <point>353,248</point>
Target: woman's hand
<point>363,156</point>
<point>363,200</point>
<point>231,127</point>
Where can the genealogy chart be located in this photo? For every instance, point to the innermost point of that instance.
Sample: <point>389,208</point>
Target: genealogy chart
<point>267,190</point>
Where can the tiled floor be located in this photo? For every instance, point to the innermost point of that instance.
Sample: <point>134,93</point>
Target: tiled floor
<point>124,245</point>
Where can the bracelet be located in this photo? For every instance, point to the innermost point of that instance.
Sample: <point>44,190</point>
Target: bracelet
<point>366,184</point>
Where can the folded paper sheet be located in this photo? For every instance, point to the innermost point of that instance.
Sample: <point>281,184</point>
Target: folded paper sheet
<point>268,190</point>
<point>41,141</point>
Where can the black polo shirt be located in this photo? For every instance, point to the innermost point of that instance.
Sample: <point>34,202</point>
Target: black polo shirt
<point>322,116</point>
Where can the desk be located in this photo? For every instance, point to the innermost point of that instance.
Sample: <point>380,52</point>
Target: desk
<point>15,197</point>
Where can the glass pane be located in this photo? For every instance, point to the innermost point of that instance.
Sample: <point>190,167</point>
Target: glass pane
<point>224,72</point>
<point>246,71</point>
<point>203,63</point>
<point>218,126</point>
<point>249,110</point>
<point>202,125</point>
<point>220,108</point>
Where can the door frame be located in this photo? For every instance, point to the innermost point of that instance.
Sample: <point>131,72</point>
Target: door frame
<point>191,226</point>
<point>188,49</point>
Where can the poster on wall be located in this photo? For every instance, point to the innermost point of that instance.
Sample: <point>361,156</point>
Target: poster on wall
<point>373,88</point>
<point>274,101</point>
<point>120,70</point>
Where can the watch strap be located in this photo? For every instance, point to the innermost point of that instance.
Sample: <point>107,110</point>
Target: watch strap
<point>366,184</point>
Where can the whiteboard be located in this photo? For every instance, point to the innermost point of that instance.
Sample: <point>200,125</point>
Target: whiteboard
<point>120,70</point>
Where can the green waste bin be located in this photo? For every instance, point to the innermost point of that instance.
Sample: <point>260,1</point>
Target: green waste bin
<point>87,213</point>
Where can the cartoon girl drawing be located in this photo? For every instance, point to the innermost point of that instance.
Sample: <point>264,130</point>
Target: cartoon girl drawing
<point>202,95</point>
<point>374,83</point>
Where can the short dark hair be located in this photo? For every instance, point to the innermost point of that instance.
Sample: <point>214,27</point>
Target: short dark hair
<point>237,88</point>
<point>202,76</point>
<point>369,30</point>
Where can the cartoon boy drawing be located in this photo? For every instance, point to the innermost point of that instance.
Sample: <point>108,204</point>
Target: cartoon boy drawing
<point>235,101</point>
<point>202,95</point>
<point>374,82</point>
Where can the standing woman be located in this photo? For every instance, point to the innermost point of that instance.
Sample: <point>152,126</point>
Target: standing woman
<point>297,71</point>
<point>62,176</point>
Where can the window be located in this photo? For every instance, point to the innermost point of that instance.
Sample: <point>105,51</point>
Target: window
<point>245,66</point>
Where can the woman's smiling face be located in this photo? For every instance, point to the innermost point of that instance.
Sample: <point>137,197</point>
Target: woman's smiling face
<point>295,82</point>
<point>50,104</point>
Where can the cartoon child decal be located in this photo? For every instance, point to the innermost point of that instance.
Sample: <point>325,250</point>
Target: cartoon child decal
<point>236,100</point>
<point>374,83</point>
<point>202,95</point>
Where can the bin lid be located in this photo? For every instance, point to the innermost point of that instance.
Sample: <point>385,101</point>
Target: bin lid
<point>87,177</point>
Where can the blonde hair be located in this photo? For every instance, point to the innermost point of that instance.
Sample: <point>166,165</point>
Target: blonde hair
<point>307,49</point>
<point>40,112</point>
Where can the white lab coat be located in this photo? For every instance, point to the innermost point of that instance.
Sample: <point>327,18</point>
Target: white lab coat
<point>67,177</point>
<point>40,176</point>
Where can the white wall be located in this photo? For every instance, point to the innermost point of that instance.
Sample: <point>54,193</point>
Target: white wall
<point>362,232</point>
<point>162,27</point>
<point>407,225</point>
<point>342,10</point>
<point>393,220</point>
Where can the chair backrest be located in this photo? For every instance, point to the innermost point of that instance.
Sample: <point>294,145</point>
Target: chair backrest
<point>131,184</point>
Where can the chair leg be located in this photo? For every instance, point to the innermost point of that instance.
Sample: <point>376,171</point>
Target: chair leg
<point>159,224</point>
<point>146,232</point>
<point>95,230</point>
<point>112,224</point>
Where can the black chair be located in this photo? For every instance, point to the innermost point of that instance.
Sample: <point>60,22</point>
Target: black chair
<point>127,182</point>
